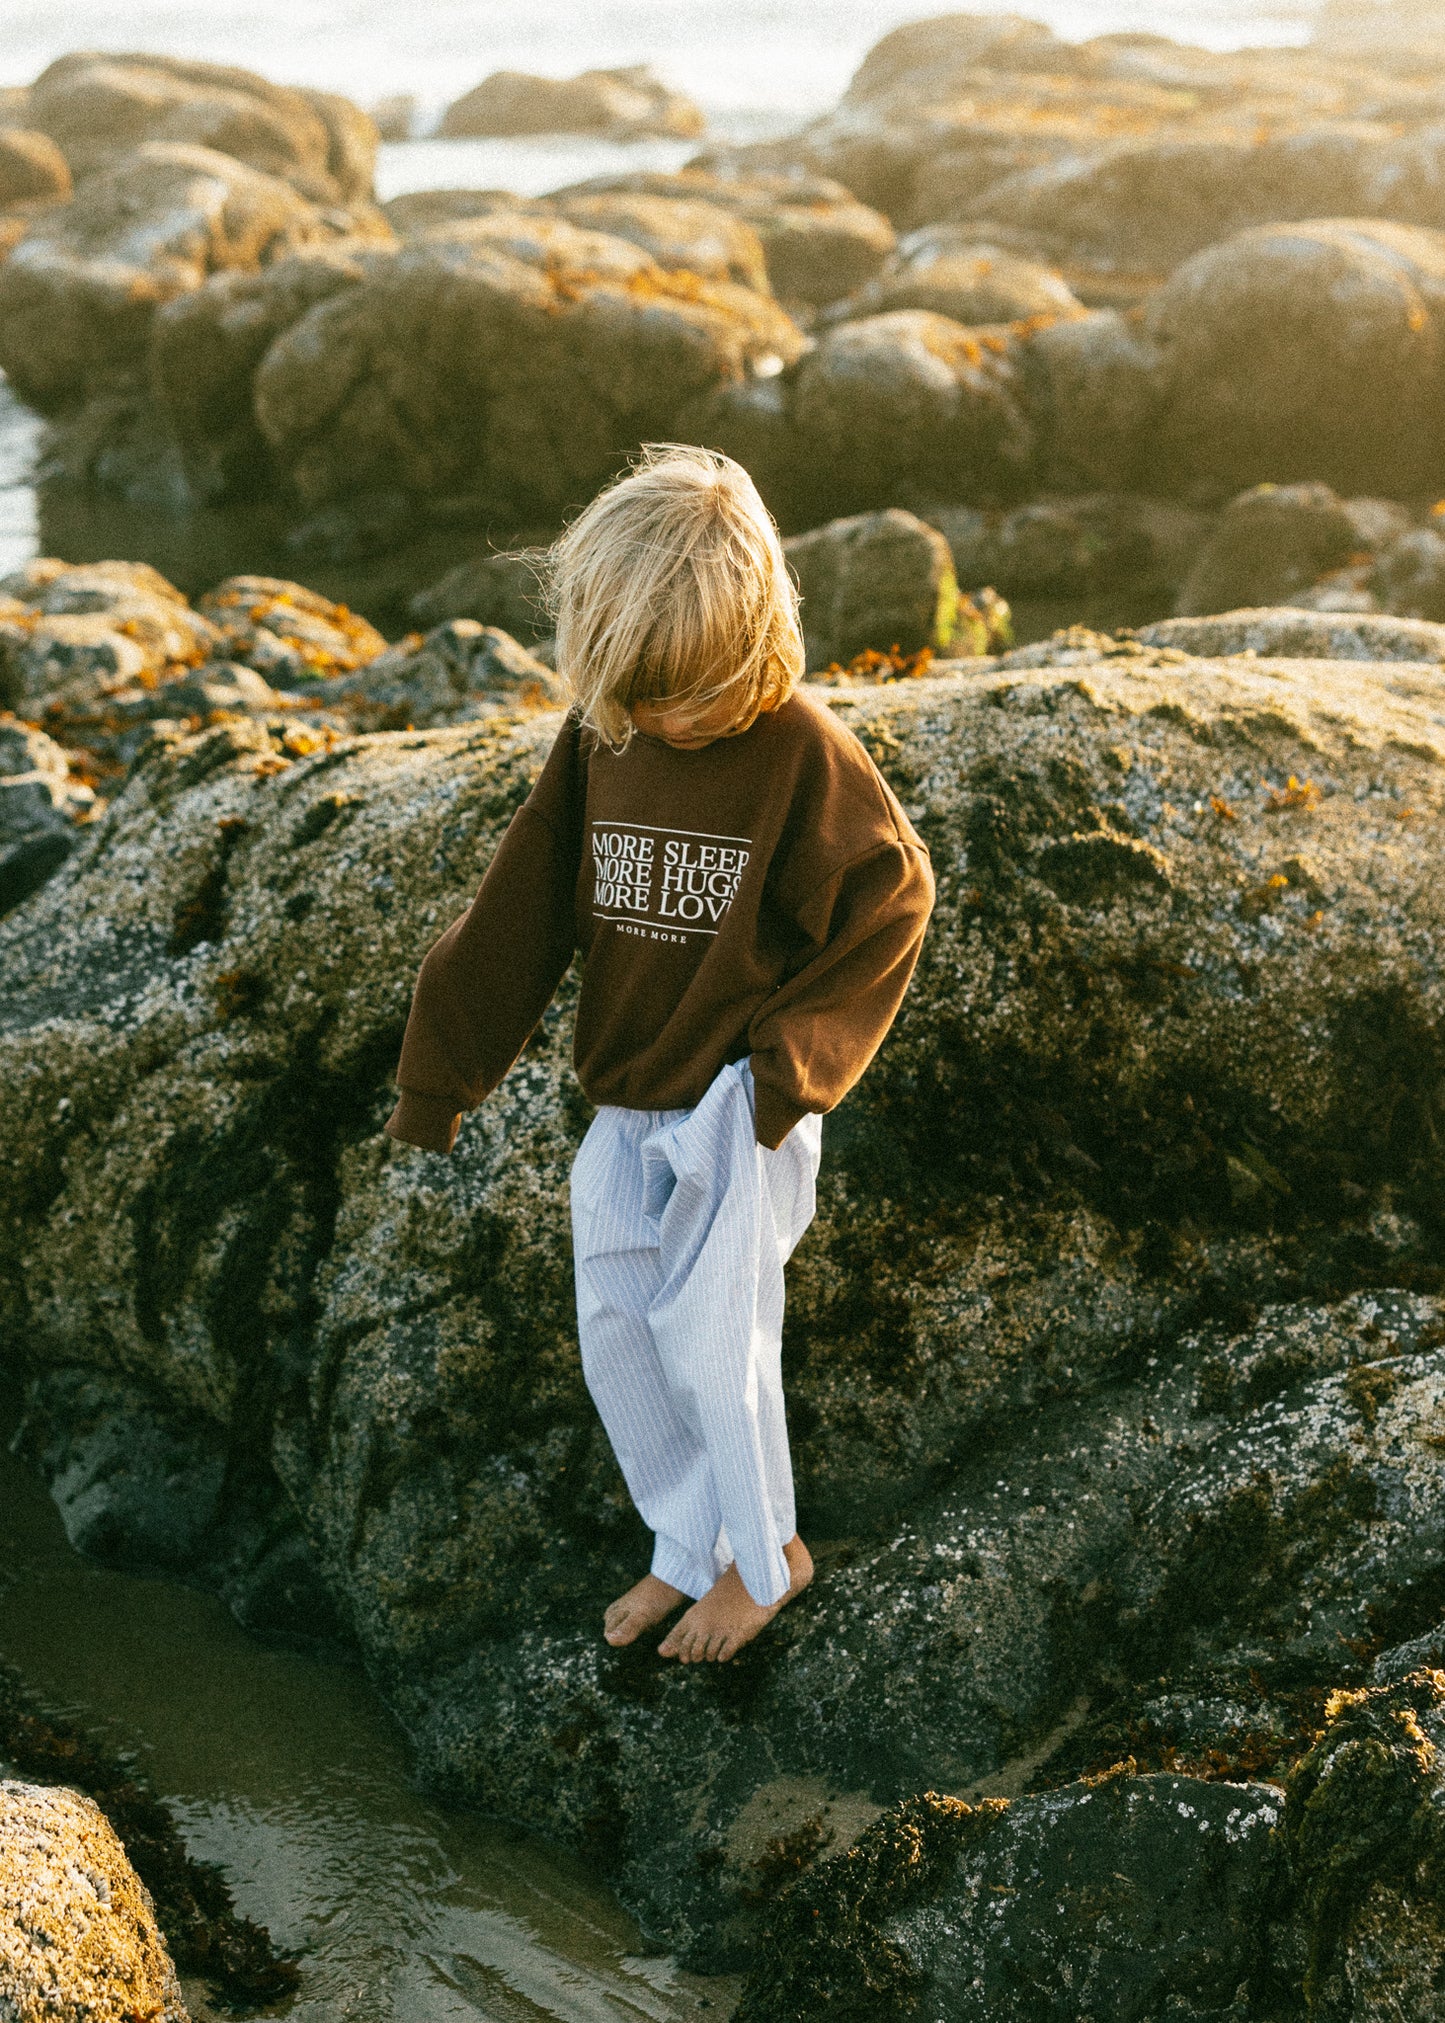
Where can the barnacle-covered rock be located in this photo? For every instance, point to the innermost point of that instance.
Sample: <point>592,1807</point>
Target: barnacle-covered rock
<point>79,1941</point>
<point>291,635</point>
<point>1171,1056</point>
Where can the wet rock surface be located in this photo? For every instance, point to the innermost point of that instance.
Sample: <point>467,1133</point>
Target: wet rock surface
<point>1114,1356</point>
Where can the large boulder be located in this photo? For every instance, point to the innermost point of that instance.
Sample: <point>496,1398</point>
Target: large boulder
<point>957,275</point>
<point>1409,575</point>
<point>1131,1898</point>
<point>879,580</point>
<point>207,343</point>
<point>1306,351</point>
<point>623,104</point>
<point>1143,1896</point>
<point>291,635</point>
<point>101,107</point>
<point>1075,546</point>
<point>910,406</point>
<point>1094,393</point>
<point>76,635</point>
<point>1091,1380</point>
<point>1276,540</point>
<point>32,169</point>
<point>514,361</point>
<point>1284,634</point>
<point>79,1941</point>
<point>1143,205</point>
<point>461,670</point>
<point>679,233</point>
<point>819,242</point>
<point>79,293</point>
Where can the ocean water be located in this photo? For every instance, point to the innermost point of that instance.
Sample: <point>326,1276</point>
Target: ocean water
<point>778,60</point>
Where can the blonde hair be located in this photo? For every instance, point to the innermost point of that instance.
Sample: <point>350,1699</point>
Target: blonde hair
<point>670,587</point>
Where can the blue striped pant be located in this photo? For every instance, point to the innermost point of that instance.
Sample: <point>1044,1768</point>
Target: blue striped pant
<point>681,1226</point>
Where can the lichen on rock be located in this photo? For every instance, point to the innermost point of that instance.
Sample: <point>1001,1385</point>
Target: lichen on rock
<point>78,1937</point>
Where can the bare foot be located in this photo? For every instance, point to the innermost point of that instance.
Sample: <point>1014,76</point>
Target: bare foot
<point>639,1609</point>
<point>727,1617</point>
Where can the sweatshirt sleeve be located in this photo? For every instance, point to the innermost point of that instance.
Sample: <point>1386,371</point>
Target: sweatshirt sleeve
<point>488,980</point>
<point>813,1038</point>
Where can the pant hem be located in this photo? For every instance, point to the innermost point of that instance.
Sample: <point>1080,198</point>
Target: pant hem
<point>682,1569</point>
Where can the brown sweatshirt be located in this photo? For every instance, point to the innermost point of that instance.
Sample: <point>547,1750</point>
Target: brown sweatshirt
<point>762,898</point>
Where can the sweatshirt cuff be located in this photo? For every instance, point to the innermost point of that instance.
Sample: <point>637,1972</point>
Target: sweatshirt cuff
<point>774,1114</point>
<point>428,1121</point>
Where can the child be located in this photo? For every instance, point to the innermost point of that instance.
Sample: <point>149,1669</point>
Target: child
<point>750,900</point>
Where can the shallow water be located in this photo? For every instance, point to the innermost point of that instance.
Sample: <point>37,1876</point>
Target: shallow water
<point>284,1769</point>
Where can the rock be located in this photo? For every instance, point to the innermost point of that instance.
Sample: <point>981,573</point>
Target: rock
<point>1306,351</point>
<point>1131,1898</point>
<point>395,116</point>
<point>78,634</point>
<point>926,53</point>
<point>462,369</point>
<point>954,275</point>
<point>1074,546</point>
<point>79,1941</point>
<point>457,672</point>
<point>678,232</point>
<point>1143,205</point>
<point>1094,392</point>
<point>415,212</point>
<point>1092,1380</point>
<point>78,295</point>
<point>1362,1830</point>
<point>1409,576</point>
<point>40,806</point>
<point>879,580</point>
<point>221,686</point>
<point>1276,540</point>
<point>100,108</point>
<point>700,238</point>
<point>623,104</point>
<point>32,169</point>
<point>52,585</point>
<point>819,242</point>
<point>71,662</point>
<point>506,590</point>
<point>1329,1891</point>
<point>291,635</point>
<point>1301,635</point>
<point>351,143</point>
<point>205,347</point>
<point>205,1936</point>
<point>910,406</point>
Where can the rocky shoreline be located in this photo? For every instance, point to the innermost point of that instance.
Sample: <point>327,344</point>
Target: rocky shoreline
<point>1116,1356</point>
